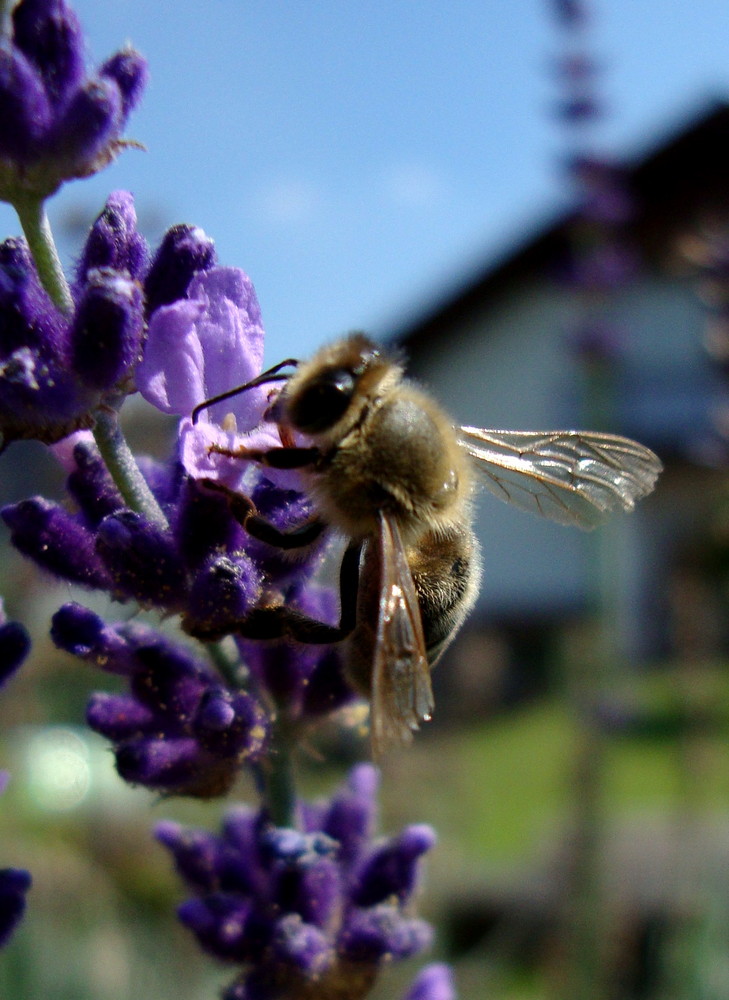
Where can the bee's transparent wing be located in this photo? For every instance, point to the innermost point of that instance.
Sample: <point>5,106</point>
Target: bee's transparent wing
<point>401,694</point>
<point>573,477</point>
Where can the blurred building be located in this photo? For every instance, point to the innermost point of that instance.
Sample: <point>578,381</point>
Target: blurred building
<point>499,353</point>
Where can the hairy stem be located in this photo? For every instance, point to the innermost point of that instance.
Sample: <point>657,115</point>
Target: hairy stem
<point>123,468</point>
<point>36,228</point>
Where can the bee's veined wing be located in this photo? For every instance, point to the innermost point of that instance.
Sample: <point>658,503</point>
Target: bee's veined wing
<point>401,695</point>
<point>573,477</point>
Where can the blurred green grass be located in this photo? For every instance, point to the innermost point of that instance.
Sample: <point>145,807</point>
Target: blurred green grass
<point>499,793</point>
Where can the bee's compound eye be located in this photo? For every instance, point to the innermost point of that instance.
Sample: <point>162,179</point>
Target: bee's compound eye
<point>324,401</point>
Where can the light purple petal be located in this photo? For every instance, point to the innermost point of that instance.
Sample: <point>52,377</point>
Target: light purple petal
<point>170,375</point>
<point>204,345</point>
<point>195,441</point>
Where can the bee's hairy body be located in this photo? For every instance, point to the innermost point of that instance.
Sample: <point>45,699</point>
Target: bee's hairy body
<point>392,451</point>
<point>388,470</point>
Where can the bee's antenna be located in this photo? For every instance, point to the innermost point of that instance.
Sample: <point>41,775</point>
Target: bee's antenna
<point>270,375</point>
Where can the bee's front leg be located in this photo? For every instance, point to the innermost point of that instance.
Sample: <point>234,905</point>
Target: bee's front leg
<point>246,514</point>
<point>273,458</point>
<point>281,622</point>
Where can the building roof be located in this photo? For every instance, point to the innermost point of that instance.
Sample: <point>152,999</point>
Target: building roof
<point>680,182</point>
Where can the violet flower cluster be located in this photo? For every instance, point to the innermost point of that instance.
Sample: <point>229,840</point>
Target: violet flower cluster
<point>311,912</point>
<point>58,121</point>
<point>300,896</point>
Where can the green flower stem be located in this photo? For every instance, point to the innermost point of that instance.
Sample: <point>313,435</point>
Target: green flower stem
<point>36,228</point>
<point>227,662</point>
<point>123,468</point>
<point>278,779</point>
<point>5,25</point>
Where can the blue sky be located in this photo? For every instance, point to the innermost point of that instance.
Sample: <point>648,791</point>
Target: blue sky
<point>361,159</point>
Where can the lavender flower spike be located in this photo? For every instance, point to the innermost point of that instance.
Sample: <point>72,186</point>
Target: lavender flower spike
<point>178,730</point>
<point>283,903</point>
<point>57,369</point>
<point>58,123</point>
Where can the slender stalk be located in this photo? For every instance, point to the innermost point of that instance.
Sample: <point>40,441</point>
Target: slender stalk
<point>36,228</point>
<point>123,468</point>
<point>228,666</point>
<point>278,781</point>
<point>5,27</point>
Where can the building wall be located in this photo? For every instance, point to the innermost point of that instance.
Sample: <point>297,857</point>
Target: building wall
<point>507,364</point>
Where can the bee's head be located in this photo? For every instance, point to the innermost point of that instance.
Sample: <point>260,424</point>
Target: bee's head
<point>338,382</point>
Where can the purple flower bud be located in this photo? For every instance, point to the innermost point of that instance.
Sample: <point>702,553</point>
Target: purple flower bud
<point>435,982</point>
<point>174,765</point>
<point>381,931</point>
<point>392,870</point>
<point>141,560</point>
<point>40,396</point>
<point>184,251</point>
<point>245,870</point>
<point>352,814</point>
<point>91,486</point>
<point>203,524</point>
<point>170,680</point>
<point>118,717</point>
<point>82,632</point>
<point>220,923</point>
<point>230,725</point>
<point>14,884</point>
<point>53,539</point>
<point>90,122</point>
<point>216,714</point>
<point>106,334</point>
<point>313,892</point>
<point>114,241</point>
<point>14,647</point>
<point>222,594</point>
<point>130,73</point>
<point>50,35</point>
<point>197,853</point>
<point>26,112</point>
<point>29,318</point>
<point>302,946</point>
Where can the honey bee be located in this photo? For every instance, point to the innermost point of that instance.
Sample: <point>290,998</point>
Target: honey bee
<point>388,470</point>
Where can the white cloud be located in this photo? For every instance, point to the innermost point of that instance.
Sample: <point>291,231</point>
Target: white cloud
<point>287,202</point>
<point>413,185</point>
